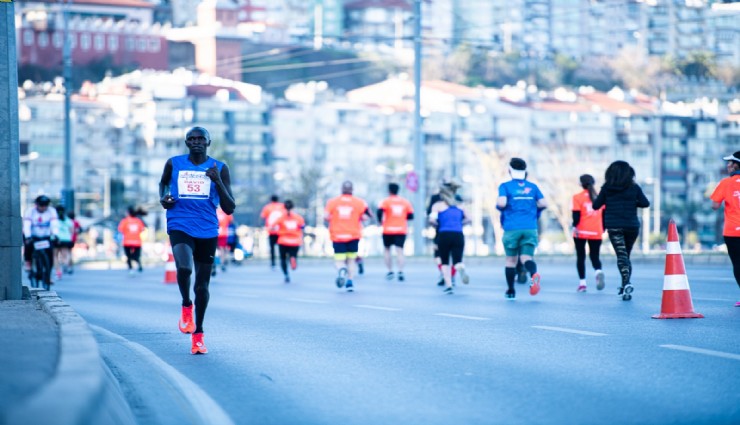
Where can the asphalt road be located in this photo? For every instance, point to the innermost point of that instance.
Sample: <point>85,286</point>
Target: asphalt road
<point>404,353</point>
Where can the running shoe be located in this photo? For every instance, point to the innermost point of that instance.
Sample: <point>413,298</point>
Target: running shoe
<point>350,287</point>
<point>341,277</point>
<point>448,290</point>
<point>293,263</point>
<point>581,288</point>
<point>287,279</point>
<point>198,346</point>
<point>737,304</point>
<point>401,278</point>
<point>626,292</point>
<point>464,275</point>
<point>522,276</point>
<point>186,325</point>
<point>534,287</point>
<point>389,276</point>
<point>600,280</point>
<point>441,281</point>
<point>510,294</point>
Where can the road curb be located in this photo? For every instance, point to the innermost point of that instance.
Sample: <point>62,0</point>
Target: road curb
<point>81,391</point>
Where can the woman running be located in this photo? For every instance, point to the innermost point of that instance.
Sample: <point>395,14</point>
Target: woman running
<point>290,236</point>
<point>449,219</point>
<point>588,228</point>
<point>63,249</point>
<point>622,196</point>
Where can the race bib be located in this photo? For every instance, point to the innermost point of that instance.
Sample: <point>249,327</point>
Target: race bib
<point>39,245</point>
<point>193,185</point>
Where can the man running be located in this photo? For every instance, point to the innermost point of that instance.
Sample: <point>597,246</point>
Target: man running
<point>394,213</point>
<point>344,215</point>
<point>271,213</point>
<point>40,224</point>
<point>728,192</point>
<point>191,188</point>
<point>519,200</point>
<point>290,237</point>
<point>224,252</point>
<point>131,228</point>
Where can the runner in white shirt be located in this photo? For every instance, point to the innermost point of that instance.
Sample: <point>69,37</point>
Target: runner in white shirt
<point>39,223</point>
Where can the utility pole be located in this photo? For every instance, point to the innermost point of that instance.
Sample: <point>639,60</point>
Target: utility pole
<point>68,192</point>
<point>419,160</point>
<point>10,207</point>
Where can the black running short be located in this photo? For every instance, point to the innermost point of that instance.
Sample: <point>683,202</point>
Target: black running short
<point>204,250</point>
<point>393,240</point>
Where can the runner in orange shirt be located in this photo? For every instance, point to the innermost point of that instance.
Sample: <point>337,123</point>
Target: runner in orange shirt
<point>394,212</point>
<point>344,215</point>
<point>728,191</point>
<point>290,236</point>
<point>270,214</point>
<point>223,250</point>
<point>588,228</point>
<point>131,228</point>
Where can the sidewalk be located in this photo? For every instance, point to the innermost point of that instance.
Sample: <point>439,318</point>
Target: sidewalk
<point>52,371</point>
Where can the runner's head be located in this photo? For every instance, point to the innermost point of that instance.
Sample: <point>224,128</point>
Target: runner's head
<point>274,198</point>
<point>587,182</point>
<point>393,188</point>
<point>518,169</point>
<point>60,212</point>
<point>288,205</point>
<point>733,162</point>
<point>347,188</point>
<point>619,174</point>
<point>42,202</point>
<point>132,211</point>
<point>197,140</point>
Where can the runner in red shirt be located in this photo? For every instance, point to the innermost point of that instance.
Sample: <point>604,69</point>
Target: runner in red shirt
<point>394,212</point>
<point>588,228</point>
<point>131,228</point>
<point>728,191</point>
<point>290,237</point>
<point>344,215</point>
<point>223,250</point>
<point>270,214</point>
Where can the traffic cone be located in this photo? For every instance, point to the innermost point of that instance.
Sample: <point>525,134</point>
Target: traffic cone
<point>676,293</point>
<point>170,269</point>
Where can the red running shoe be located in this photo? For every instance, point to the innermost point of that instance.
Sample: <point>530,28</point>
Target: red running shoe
<point>534,286</point>
<point>198,346</point>
<point>187,325</point>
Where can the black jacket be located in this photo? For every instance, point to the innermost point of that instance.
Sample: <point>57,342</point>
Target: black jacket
<point>621,206</point>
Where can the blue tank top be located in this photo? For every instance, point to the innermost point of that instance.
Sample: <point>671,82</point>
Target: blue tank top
<point>451,220</point>
<point>197,198</point>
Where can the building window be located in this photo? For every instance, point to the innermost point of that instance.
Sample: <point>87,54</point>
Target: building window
<point>28,38</point>
<point>43,39</point>
<point>85,41</point>
<point>99,42</point>
<point>141,45</point>
<point>58,40</point>
<point>154,45</point>
<point>130,44</point>
<point>112,43</point>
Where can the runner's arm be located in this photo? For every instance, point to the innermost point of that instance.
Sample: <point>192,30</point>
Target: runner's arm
<point>165,198</point>
<point>223,186</point>
<point>380,215</point>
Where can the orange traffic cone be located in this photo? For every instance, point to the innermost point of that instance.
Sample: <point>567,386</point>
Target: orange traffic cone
<point>170,270</point>
<point>676,293</point>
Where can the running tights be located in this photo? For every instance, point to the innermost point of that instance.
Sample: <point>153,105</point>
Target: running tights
<point>623,240</point>
<point>594,245</point>
<point>285,253</point>
<point>733,248</point>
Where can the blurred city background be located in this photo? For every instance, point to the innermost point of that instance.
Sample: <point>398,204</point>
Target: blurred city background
<point>299,95</point>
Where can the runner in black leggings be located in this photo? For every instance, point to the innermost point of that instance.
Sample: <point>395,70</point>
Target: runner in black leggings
<point>622,196</point>
<point>726,192</point>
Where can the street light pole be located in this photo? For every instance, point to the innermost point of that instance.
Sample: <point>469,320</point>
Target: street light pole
<point>419,161</point>
<point>68,194</point>
<point>10,208</point>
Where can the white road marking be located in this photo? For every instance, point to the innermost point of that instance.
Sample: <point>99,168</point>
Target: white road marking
<point>204,409</point>
<point>459,316</point>
<point>375,307</point>
<point>304,300</point>
<point>702,351</point>
<point>724,300</point>
<point>570,331</point>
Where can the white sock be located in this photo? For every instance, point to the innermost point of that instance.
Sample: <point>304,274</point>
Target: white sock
<point>582,282</point>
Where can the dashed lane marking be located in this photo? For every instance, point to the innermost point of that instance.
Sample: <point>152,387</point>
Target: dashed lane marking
<point>377,307</point>
<point>570,331</point>
<point>695,350</point>
<point>460,316</point>
<point>308,301</point>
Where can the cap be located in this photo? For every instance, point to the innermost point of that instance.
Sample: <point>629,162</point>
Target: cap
<point>518,168</point>
<point>734,157</point>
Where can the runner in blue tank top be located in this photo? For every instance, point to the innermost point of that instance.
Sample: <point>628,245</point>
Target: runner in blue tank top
<point>448,217</point>
<point>191,188</point>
